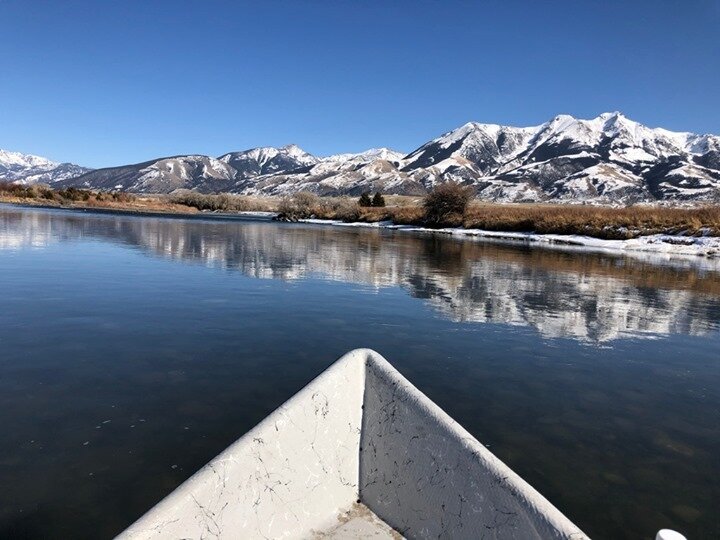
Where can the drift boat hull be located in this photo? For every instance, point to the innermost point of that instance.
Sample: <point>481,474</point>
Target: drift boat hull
<point>358,452</point>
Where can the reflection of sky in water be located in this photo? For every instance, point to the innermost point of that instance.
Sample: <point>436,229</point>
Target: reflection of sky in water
<point>163,328</point>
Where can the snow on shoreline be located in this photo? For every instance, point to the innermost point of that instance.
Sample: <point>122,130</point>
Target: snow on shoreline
<point>662,249</point>
<point>657,248</point>
<point>254,213</point>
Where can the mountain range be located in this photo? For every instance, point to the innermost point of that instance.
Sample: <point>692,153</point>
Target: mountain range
<point>29,169</point>
<point>608,159</point>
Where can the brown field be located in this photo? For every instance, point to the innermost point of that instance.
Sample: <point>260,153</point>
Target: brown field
<point>123,202</point>
<point>598,221</point>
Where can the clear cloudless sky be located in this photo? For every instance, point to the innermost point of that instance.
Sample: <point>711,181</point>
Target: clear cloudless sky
<point>104,83</point>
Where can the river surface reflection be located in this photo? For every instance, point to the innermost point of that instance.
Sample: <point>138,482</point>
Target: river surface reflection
<point>134,349</point>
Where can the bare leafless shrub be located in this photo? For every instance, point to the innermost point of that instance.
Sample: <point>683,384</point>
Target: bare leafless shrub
<point>74,194</point>
<point>305,202</point>
<point>446,204</point>
<point>345,210</point>
<point>301,205</point>
<point>18,190</point>
<point>224,202</point>
<point>47,193</point>
<point>122,196</point>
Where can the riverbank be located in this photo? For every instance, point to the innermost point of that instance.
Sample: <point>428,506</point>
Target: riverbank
<point>701,252</point>
<point>129,205</point>
<point>144,212</point>
<point>667,232</point>
<point>182,204</point>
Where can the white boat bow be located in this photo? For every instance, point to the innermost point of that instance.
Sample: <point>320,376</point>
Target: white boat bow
<point>358,452</point>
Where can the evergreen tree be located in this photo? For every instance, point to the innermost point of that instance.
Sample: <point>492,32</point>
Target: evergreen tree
<point>378,200</point>
<point>365,200</point>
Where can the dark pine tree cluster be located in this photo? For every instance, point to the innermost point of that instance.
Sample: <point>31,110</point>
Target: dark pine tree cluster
<point>377,201</point>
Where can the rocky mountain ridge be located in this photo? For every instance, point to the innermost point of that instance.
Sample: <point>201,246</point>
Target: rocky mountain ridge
<point>607,159</point>
<point>31,169</point>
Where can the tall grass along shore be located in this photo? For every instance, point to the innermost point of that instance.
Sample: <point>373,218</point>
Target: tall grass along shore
<point>449,205</point>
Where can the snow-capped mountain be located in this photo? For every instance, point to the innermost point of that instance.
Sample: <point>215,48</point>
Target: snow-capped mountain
<point>201,173</point>
<point>607,159</point>
<point>257,170</point>
<point>268,160</point>
<point>367,156</point>
<point>30,169</point>
<point>162,175</point>
<point>351,174</point>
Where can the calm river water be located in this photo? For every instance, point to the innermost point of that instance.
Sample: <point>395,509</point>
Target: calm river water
<point>132,350</point>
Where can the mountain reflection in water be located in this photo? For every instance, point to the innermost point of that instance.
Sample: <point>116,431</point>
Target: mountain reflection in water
<point>590,297</point>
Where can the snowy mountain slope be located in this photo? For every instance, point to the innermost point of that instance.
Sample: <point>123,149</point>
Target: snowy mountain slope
<point>372,170</point>
<point>163,175</point>
<point>367,156</point>
<point>488,146</point>
<point>268,160</point>
<point>30,169</point>
<point>607,159</point>
<point>202,173</point>
<point>379,175</point>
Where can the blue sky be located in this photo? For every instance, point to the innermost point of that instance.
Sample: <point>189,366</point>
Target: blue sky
<point>105,83</point>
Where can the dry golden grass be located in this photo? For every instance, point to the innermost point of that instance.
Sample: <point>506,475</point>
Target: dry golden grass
<point>597,221</point>
<point>40,195</point>
<point>78,198</point>
<point>401,215</point>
